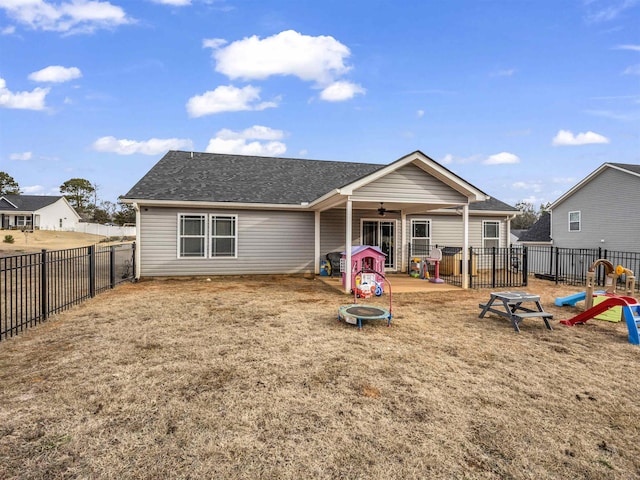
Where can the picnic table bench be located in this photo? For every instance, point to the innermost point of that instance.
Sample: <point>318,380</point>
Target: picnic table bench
<point>509,305</point>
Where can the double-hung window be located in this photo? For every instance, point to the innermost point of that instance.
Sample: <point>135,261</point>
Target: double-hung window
<point>192,236</point>
<point>207,235</point>
<point>490,234</point>
<point>223,236</point>
<point>420,237</point>
<point>574,221</point>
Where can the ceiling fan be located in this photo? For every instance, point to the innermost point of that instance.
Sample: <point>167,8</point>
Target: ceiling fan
<point>382,210</point>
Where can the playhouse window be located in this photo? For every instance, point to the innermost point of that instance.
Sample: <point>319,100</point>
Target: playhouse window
<point>490,234</point>
<point>574,221</point>
<point>420,237</point>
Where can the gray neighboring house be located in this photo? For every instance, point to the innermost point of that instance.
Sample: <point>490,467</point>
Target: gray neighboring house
<point>219,214</point>
<point>43,212</point>
<point>539,233</point>
<point>600,211</point>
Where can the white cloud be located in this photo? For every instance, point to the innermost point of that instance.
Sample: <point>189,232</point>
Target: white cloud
<point>173,3</point>
<point>318,59</point>
<point>153,146</point>
<point>213,43</point>
<point>606,11</point>
<point>33,100</point>
<point>227,98</point>
<point>420,113</point>
<point>504,73</point>
<point>536,187</point>
<point>55,74</point>
<point>229,141</point>
<point>340,91</point>
<point>449,159</point>
<point>501,158</point>
<point>22,156</point>
<point>257,132</point>
<point>632,70</point>
<point>32,190</point>
<point>565,137</point>
<point>76,16</point>
<point>9,30</point>
<point>635,48</point>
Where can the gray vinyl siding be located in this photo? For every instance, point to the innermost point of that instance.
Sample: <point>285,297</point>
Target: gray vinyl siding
<point>273,242</point>
<point>446,230</point>
<point>407,184</point>
<point>609,210</point>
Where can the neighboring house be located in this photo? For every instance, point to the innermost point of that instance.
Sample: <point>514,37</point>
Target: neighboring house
<point>207,214</point>
<point>539,233</point>
<point>600,211</point>
<point>37,211</point>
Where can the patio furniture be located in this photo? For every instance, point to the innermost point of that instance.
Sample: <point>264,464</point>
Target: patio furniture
<point>509,305</point>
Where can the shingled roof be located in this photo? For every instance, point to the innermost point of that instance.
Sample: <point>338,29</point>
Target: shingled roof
<point>26,203</point>
<point>539,231</point>
<point>213,177</point>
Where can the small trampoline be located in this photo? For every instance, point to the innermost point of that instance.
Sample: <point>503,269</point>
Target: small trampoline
<point>355,313</point>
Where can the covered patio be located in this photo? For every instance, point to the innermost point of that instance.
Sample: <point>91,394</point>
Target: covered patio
<point>400,283</point>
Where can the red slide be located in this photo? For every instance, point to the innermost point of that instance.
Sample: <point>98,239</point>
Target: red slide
<point>600,308</point>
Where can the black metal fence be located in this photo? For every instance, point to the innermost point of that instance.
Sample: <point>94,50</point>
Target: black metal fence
<point>36,285</point>
<point>488,267</point>
<point>570,265</point>
<point>511,266</point>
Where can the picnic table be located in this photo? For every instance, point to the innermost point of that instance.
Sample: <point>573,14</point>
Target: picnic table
<point>509,305</point>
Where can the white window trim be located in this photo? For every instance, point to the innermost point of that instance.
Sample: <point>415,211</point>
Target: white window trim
<point>235,237</point>
<point>499,237</point>
<point>207,235</point>
<point>429,238</point>
<point>579,212</point>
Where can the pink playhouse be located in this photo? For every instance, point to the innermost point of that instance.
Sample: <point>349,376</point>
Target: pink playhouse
<point>371,260</point>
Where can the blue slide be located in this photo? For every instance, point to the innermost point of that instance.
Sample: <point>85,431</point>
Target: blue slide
<point>571,299</point>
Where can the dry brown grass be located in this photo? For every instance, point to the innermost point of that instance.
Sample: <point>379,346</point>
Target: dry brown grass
<point>246,378</point>
<point>48,239</point>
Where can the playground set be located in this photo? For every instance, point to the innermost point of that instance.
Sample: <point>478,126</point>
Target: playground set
<point>607,304</point>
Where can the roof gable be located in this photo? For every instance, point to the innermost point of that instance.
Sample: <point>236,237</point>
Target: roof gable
<point>27,203</point>
<point>627,168</point>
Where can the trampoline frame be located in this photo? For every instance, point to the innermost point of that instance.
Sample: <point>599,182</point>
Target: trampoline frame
<point>343,314</point>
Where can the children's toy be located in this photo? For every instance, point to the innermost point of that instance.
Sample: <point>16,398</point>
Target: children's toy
<point>630,311</point>
<point>356,313</point>
<point>435,258</point>
<point>365,258</point>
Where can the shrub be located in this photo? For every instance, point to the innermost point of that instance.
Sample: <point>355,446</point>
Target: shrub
<point>8,239</point>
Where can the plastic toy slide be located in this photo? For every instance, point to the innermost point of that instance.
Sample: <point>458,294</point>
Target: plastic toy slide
<point>571,299</point>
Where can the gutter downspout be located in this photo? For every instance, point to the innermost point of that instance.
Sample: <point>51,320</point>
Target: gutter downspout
<point>138,249</point>
<point>465,246</point>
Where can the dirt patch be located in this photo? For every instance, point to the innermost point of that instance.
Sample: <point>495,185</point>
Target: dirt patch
<point>238,378</point>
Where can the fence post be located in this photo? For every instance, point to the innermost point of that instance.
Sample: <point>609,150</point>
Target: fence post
<point>44,304</point>
<point>133,260</point>
<point>92,271</point>
<point>470,268</point>
<point>493,267</point>
<point>112,266</point>
<point>525,265</point>
<point>557,263</point>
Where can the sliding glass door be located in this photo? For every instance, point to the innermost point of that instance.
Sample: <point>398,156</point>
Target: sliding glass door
<point>382,234</point>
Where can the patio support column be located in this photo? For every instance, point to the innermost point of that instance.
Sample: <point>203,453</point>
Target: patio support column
<point>465,246</point>
<point>403,240</point>
<point>316,249</point>
<point>347,244</point>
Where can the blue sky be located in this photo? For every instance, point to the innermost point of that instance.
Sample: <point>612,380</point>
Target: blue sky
<point>521,98</point>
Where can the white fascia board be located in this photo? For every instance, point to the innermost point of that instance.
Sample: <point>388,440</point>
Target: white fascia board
<point>9,202</point>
